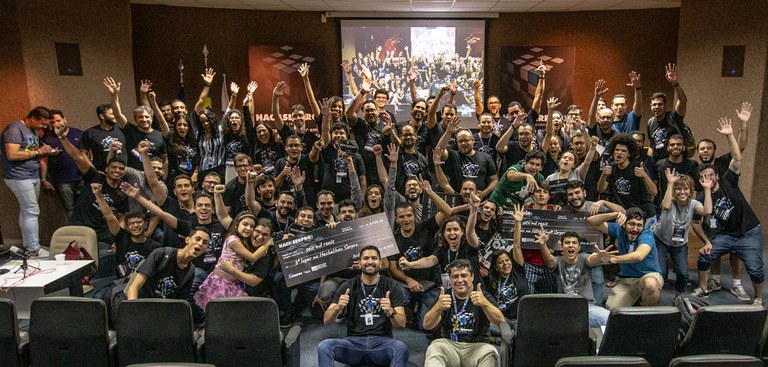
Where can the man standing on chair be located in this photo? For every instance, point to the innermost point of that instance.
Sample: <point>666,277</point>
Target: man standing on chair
<point>374,304</point>
<point>464,314</point>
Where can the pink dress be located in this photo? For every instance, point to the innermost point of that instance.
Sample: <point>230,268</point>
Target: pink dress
<point>219,286</point>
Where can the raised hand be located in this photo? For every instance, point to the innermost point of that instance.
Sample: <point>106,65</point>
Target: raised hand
<point>600,88</point>
<point>707,184</point>
<point>388,128</point>
<point>437,156</point>
<point>304,70</point>
<point>608,170</point>
<point>453,125</point>
<point>519,213</point>
<point>112,87</point>
<point>129,190</point>
<point>474,202</point>
<point>346,66</point>
<point>541,237</point>
<point>745,113</point>
<point>297,176</point>
<point>453,87</point>
<point>152,97</point>
<point>444,300</point>
<point>671,175</point>
<point>605,255</point>
<point>634,80</point>
<point>542,68</point>
<point>96,189</point>
<point>366,86</point>
<point>219,189</point>
<point>394,153</point>
<point>208,76</point>
<point>386,304</point>
<point>671,73</point>
<point>234,88</point>
<point>725,127</point>
<point>60,130</point>
<point>145,86</point>
<point>116,146</point>
<point>252,85</point>
<point>377,150</point>
<point>445,89</point>
<point>279,88</point>
<point>425,185</point>
<point>476,84</point>
<point>325,107</point>
<point>552,103</point>
<point>640,172</point>
<point>144,146</point>
<point>477,296</point>
<point>344,299</point>
<point>413,74</point>
<point>621,218</point>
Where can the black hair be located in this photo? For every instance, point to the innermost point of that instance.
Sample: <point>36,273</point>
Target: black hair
<point>381,91</point>
<point>135,214</point>
<point>635,213</point>
<point>460,264</point>
<point>705,140</point>
<point>347,202</point>
<point>569,234</point>
<point>574,184</point>
<point>371,248</point>
<point>57,112</point>
<point>325,192</point>
<point>535,154</point>
<point>40,112</point>
<point>625,140</point>
<point>199,229</point>
<point>102,108</point>
<point>659,95</point>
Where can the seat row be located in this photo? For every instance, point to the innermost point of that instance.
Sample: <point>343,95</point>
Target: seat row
<point>73,331</point>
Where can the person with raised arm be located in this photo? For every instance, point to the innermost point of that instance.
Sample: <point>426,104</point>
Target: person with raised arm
<point>662,125</point>
<point>471,164</point>
<point>296,125</point>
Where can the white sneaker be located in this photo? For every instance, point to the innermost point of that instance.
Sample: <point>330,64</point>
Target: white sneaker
<point>713,285</point>
<point>739,292</point>
<point>757,302</point>
<point>700,293</point>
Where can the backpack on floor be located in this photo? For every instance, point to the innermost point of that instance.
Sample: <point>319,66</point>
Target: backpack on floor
<point>688,306</point>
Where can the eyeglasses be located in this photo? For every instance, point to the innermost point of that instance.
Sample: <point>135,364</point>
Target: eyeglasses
<point>210,182</point>
<point>261,234</point>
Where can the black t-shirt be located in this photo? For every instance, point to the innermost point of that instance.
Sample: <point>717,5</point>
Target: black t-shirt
<point>183,160</point>
<point>261,269</point>
<point>305,165</point>
<point>603,139</point>
<point>550,166</point>
<point>308,139</point>
<point>514,155</point>
<point>234,197</point>
<point>267,155</point>
<point>98,142</point>
<point>130,253</point>
<point>629,190</point>
<point>410,165</point>
<point>593,176</point>
<point>208,260</point>
<point>445,256</point>
<point>686,167</point>
<point>422,136</point>
<point>336,173</point>
<point>478,167</point>
<point>171,237</point>
<point>132,138</point>
<point>721,164</point>
<point>88,213</point>
<point>487,146</point>
<point>508,291</point>
<point>366,136</point>
<point>419,245</point>
<point>731,211</point>
<point>366,299</point>
<point>472,325</point>
<point>659,131</point>
<point>170,281</point>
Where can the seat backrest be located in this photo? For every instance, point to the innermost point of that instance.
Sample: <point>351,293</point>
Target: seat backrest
<point>85,237</point>
<point>154,330</point>
<point>647,332</point>
<point>550,327</point>
<point>234,336</point>
<point>68,331</point>
<point>738,329</point>
<point>716,360</point>
<point>602,361</point>
<point>9,334</point>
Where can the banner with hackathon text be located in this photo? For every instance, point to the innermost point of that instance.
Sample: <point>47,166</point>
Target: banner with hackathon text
<point>556,222</point>
<point>328,250</point>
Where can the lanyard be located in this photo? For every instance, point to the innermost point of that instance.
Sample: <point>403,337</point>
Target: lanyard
<point>362,287</point>
<point>456,312</point>
<point>501,287</point>
<point>449,256</point>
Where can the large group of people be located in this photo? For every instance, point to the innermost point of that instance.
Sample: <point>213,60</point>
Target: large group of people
<point>222,190</point>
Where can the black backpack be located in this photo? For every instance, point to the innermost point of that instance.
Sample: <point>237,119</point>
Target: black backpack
<point>688,139</point>
<point>688,306</point>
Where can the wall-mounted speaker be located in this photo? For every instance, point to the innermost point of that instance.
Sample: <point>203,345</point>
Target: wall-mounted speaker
<point>733,61</point>
<point>68,59</point>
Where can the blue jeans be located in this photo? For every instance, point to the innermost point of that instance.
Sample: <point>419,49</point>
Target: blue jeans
<point>69,192</point>
<point>423,301</point>
<point>749,248</point>
<point>679,256</point>
<point>305,295</point>
<point>198,314</point>
<point>362,350</point>
<point>598,281</point>
<point>27,193</point>
<point>598,316</point>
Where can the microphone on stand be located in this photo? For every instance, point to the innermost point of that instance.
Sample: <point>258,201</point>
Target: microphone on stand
<point>24,255</point>
<point>21,252</point>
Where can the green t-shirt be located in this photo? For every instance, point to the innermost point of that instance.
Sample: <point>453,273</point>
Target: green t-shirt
<point>508,193</point>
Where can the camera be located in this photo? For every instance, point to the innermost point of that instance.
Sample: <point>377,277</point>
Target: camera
<point>348,148</point>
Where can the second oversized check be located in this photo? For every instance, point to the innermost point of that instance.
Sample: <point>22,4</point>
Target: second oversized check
<point>328,250</point>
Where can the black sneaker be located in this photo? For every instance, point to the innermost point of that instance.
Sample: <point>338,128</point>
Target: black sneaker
<point>287,320</point>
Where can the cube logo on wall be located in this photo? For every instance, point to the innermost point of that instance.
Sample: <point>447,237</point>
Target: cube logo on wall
<point>68,59</point>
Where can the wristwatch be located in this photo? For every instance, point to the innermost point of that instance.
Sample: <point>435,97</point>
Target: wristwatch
<point>393,315</point>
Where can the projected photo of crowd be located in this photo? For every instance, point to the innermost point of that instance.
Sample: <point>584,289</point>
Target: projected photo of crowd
<point>432,54</point>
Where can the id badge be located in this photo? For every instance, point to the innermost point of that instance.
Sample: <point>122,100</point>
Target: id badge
<point>712,222</point>
<point>454,337</point>
<point>368,319</point>
<point>678,234</point>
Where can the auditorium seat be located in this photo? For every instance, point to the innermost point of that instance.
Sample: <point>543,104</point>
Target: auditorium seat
<point>14,345</point>
<point>550,327</point>
<point>69,331</point>
<point>647,332</point>
<point>716,360</point>
<point>235,337</point>
<point>602,361</point>
<point>738,329</point>
<point>155,330</point>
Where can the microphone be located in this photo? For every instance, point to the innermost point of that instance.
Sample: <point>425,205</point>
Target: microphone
<point>20,252</point>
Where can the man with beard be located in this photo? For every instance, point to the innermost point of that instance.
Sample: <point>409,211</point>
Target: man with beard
<point>295,160</point>
<point>171,277</point>
<point>416,240</point>
<point>65,178</point>
<point>407,161</point>
<point>581,144</point>
<point>265,188</point>
<point>514,152</point>
<point>418,111</point>
<point>373,305</point>
<point>297,124</point>
<point>326,202</point>
<point>476,166</point>
<point>519,181</point>
<point>436,128</point>
<point>392,197</point>
<point>639,277</point>
<point>307,291</point>
<point>629,183</point>
<point>675,161</point>
<point>604,133</point>
<point>485,139</point>
<point>234,197</point>
<point>135,133</point>
<point>622,122</point>
<point>464,313</point>
<point>88,213</point>
<point>664,124</point>
<point>578,203</point>
<point>337,173</point>
<point>97,139</point>
<point>283,216</point>
<point>375,128</point>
